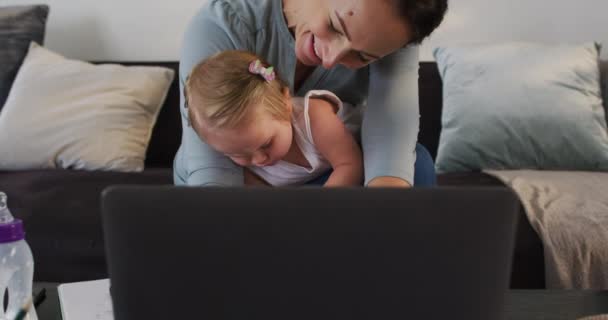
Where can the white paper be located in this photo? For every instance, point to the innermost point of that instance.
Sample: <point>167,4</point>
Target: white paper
<point>88,300</point>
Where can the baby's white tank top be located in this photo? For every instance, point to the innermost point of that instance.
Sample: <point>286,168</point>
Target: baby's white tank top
<point>285,173</point>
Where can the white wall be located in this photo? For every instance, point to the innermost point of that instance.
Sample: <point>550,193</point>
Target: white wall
<point>118,30</point>
<point>529,20</point>
<point>152,29</point>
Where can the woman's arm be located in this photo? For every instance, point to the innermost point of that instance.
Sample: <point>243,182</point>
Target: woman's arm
<point>391,121</point>
<point>215,28</point>
<point>336,144</point>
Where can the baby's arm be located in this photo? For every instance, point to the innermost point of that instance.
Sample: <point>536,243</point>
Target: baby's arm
<point>336,144</point>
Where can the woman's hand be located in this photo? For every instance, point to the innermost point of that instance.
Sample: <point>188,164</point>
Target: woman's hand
<point>388,182</point>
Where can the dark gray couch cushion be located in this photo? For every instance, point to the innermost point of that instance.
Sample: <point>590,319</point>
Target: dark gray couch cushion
<point>19,25</point>
<point>62,216</point>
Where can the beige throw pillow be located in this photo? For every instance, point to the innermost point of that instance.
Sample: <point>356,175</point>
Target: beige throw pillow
<point>70,114</point>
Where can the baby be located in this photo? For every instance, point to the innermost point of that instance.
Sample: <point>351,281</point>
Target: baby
<point>240,107</point>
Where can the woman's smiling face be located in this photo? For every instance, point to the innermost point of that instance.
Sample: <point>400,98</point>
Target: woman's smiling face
<point>352,33</point>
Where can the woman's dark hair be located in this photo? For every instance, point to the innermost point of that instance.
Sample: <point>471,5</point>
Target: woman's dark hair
<point>424,16</point>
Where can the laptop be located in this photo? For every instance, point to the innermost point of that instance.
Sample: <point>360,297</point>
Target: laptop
<point>308,253</point>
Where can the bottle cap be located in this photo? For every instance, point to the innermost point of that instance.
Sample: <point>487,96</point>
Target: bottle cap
<point>12,231</point>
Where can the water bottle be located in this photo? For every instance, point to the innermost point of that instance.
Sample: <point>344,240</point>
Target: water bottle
<point>16,266</point>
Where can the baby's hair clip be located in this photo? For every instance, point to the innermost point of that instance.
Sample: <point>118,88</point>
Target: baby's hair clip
<point>256,67</point>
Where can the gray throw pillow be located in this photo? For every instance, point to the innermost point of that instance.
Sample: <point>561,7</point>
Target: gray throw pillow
<point>521,106</point>
<point>19,25</point>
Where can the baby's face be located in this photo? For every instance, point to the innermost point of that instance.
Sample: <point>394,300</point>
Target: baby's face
<point>262,142</point>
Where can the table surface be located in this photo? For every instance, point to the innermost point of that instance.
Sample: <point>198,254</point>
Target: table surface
<point>521,304</point>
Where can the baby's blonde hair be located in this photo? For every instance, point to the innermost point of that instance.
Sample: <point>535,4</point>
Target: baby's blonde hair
<point>227,92</point>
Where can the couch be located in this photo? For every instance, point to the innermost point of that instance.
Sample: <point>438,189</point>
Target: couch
<point>61,208</point>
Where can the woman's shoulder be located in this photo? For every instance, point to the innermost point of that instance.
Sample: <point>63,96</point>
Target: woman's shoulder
<point>254,15</point>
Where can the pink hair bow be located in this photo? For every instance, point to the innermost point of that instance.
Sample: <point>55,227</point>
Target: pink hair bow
<point>256,67</point>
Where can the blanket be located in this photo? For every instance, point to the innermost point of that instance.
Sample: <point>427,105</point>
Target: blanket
<point>569,211</point>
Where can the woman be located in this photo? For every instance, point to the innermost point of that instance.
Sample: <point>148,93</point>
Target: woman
<point>364,51</point>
